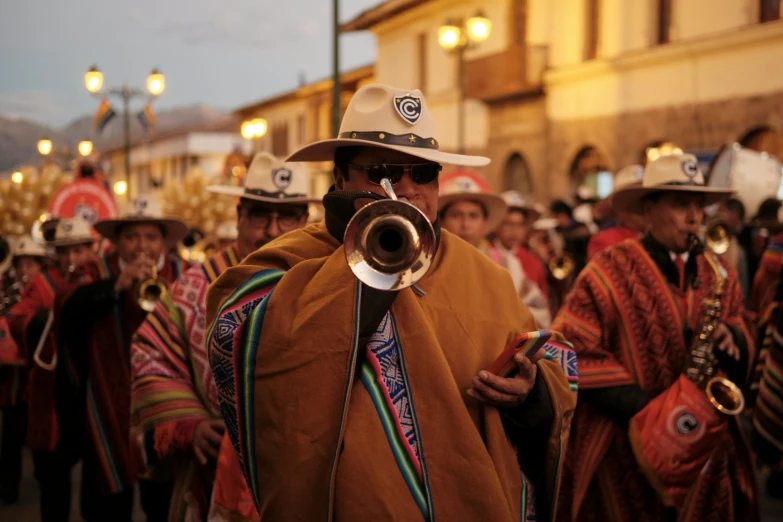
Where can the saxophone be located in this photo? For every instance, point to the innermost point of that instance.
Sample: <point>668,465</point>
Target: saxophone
<point>724,395</point>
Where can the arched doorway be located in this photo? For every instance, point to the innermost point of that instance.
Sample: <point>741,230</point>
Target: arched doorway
<point>516,175</point>
<point>763,139</point>
<point>590,172</point>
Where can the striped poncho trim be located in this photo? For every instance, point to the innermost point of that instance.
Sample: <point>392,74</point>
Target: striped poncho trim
<point>234,339</point>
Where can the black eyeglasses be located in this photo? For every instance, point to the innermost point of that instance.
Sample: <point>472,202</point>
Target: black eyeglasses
<point>261,217</point>
<point>420,173</point>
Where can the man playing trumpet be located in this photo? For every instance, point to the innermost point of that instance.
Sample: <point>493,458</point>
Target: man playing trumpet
<point>652,322</point>
<point>348,402</point>
<point>96,322</point>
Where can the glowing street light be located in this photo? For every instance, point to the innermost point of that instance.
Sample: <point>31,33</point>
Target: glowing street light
<point>85,147</point>
<point>449,36</point>
<point>156,82</point>
<point>120,188</point>
<point>255,128</point>
<point>93,79</point>
<point>45,147</point>
<point>17,177</point>
<point>479,27</point>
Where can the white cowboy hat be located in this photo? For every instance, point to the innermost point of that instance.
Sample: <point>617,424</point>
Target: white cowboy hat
<point>270,180</point>
<point>143,210</point>
<point>26,246</point>
<point>673,173</point>
<point>390,118</point>
<point>631,175</point>
<point>463,185</point>
<point>227,231</point>
<point>515,200</point>
<point>72,231</point>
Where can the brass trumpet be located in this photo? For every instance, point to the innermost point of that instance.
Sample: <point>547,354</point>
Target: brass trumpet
<point>151,290</point>
<point>561,266</point>
<point>389,244</point>
<point>717,237</point>
<point>51,365</point>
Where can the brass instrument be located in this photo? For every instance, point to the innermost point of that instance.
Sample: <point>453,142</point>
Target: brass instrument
<point>187,247</point>
<point>151,290</point>
<point>724,395</point>
<point>561,266</point>
<point>201,251</point>
<point>389,244</point>
<point>717,237</point>
<point>12,293</point>
<point>44,228</point>
<point>51,365</point>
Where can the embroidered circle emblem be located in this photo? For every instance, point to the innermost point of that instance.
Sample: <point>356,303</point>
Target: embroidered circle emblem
<point>282,178</point>
<point>408,107</point>
<point>686,423</point>
<point>87,213</point>
<point>690,168</point>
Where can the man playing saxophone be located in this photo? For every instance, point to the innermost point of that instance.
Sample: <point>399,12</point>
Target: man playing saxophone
<point>652,322</point>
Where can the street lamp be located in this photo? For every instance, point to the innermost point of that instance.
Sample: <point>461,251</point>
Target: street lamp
<point>45,147</point>
<point>456,37</point>
<point>17,177</point>
<point>120,188</point>
<point>254,128</point>
<point>156,83</point>
<point>85,147</point>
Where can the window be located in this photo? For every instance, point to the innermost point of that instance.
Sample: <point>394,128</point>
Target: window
<point>301,130</point>
<point>280,140</point>
<point>664,21</point>
<point>769,10</point>
<point>422,57</point>
<point>591,29</point>
<point>516,175</point>
<point>519,21</point>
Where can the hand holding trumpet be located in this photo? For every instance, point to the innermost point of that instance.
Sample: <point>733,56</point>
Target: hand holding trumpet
<point>137,270</point>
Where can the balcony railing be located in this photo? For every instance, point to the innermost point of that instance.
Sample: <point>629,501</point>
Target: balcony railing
<point>517,70</point>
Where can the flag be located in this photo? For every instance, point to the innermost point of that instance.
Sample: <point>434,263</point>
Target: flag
<point>103,116</point>
<point>147,118</point>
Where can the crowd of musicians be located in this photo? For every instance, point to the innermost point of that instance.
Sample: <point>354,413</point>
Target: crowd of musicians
<point>298,374</point>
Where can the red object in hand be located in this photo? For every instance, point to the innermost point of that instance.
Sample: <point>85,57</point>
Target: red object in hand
<point>529,343</point>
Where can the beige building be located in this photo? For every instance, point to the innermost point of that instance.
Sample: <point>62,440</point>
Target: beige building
<point>301,116</point>
<point>565,91</point>
<point>166,157</point>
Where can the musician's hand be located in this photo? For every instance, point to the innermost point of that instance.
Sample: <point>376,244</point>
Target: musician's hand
<point>506,393</point>
<point>206,439</point>
<point>138,269</point>
<point>724,340</point>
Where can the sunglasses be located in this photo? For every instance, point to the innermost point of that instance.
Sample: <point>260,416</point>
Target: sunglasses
<point>420,173</point>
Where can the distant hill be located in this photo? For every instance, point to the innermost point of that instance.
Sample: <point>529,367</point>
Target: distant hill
<point>19,138</point>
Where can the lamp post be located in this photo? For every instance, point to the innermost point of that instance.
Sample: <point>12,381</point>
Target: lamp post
<point>156,83</point>
<point>456,37</point>
<point>254,129</point>
<point>45,146</point>
<point>85,148</point>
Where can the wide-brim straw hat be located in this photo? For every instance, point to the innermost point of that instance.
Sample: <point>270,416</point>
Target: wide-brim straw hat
<point>515,200</point>
<point>628,176</point>
<point>390,118</point>
<point>271,180</point>
<point>143,210</point>
<point>673,173</point>
<point>464,185</point>
<point>72,231</point>
<point>25,246</point>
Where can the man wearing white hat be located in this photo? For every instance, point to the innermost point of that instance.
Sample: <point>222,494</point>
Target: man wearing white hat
<point>470,210</point>
<point>649,441</point>
<point>629,224</point>
<point>345,402</point>
<point>513,235</point>
<point>96,322</point>
<point>72,241</point>
<point>188,431</point>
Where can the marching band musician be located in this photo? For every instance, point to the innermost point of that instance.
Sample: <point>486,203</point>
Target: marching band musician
<point>352,403</point>
<point>73,244</point>
<point>96,322</point>
<point>634,316</point>
<point>174,404</point>
<point>27,258</point>
<point>468,209</point>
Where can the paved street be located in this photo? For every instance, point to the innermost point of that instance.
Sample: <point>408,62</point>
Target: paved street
<point>27,508</point>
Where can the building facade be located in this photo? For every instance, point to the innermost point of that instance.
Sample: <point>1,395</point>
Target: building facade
<point>166,157</point>
<point>302,116</point>
<point>564,92</point>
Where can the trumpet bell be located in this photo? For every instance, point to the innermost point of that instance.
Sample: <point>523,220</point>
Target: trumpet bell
<point>561,267</point>
<point>150,292</point>
<point>389,244</point>
<point>717,238</point>
<point>725,396</point>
